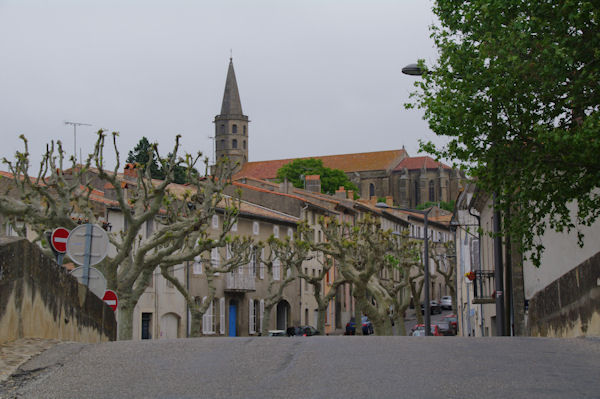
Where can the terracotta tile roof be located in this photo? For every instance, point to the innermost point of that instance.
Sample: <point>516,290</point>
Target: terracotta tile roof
<point>253,209</point>
<point>312,177</point>
<point>414,163</point>
<point>296,197</point>
<point>379,160</point>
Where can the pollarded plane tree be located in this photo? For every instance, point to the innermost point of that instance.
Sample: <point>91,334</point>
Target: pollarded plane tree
<point>361,251</point>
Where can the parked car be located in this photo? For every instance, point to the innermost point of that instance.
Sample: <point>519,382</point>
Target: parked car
<point>302,331</point>
<point>276,333</point>
<point>435,330</point>
<point>434,307</point>
<point>366,326</point>
<point>451,318</point>
<point>445,328</point>
<point>446,302</point>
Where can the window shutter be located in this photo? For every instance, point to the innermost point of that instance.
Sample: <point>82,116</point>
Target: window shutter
<point>222,315</point>
<point>276,271</point>
<point>229,253</point>
<point>234,227</point>
<point>262,314</point>
<point>204,319</point>
<point>215,221</point>
<point>276,231</point>
<point>255,228</point>
<point>290,232</point>
<point>262,265</point>
<point>197,265</point>
<point>214,254</point>
<point>251,327</point>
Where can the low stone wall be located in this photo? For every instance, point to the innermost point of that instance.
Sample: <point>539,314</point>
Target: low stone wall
<point>39,299</point>
<point>570,306</point>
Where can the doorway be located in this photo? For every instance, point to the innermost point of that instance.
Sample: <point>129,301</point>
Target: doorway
<point>232,317</point>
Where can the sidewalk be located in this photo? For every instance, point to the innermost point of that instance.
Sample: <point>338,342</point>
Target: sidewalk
<point>14,353</point>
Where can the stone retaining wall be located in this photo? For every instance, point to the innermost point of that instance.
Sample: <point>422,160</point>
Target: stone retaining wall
<point>39,299</point>
<point>570,305</point>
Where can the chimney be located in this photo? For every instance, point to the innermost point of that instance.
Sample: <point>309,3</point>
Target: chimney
<point>286,187</point>
<point>130,170</point>
<point>389,200</point>
<point>340,193</point>
<point>312,183</point>
<point>351,194</point>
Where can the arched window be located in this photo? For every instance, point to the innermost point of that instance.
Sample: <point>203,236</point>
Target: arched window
<point>244,129</point>
<point>244,144</point>
<point>234,128</point>
<point>371,190</point>
<point>234,143</point>
<point>431,191</point>
<point>222,144</point>
<point>222,128</point>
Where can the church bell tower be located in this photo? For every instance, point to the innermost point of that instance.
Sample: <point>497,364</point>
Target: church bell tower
<point>231,125</point>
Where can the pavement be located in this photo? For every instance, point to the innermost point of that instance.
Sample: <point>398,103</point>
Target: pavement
<point>15,353</point>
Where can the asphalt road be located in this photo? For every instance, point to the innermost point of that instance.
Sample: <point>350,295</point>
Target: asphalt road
<point>315,367</point>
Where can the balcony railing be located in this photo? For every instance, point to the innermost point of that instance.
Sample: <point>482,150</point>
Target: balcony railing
<point>235,281</point>
<point>484,287</point>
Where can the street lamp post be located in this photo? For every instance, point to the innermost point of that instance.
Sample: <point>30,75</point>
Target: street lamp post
<point>427,309</point>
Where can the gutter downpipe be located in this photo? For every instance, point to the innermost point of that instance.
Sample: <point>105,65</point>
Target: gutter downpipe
<point>498,271</point>
<point>479,267</point>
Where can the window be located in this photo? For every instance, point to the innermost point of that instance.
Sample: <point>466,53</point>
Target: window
<point>234,143</point>
<point>251,317</point>
<point>276,231</point>
<point>262,265</point>
<point>417,193</point>
<point>371,190</point>
<point>214,257</point>
<point>255,228</point>
<point>244,129</point>
<point>171,273</point>
<point>222,144</point>
<point>215,221</point>
<point>208,320</point>
<point>234,128</point>
<point>222,315</point>
<point>197,267</point>
<point>244,144</point>
<point>276,269</point>
<point>253,259</point>
<point>222,128</point>
<point>228,252</point>
<point>290,232</point>
<point>234,227</point>
<point>149,228</point>
<point>431,191</point>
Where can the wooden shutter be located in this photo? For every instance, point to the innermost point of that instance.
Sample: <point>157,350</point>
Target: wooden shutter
<point>262,265</point>
<point>222,315</point>
<point>262,314</point>
<point>251,319</point>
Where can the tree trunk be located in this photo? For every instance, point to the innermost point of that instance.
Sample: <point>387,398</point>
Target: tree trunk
<point>196,323</point>
<point>321,318</point>
<point>125,326</point>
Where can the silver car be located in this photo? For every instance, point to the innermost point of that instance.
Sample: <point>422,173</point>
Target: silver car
<point>446,302</point>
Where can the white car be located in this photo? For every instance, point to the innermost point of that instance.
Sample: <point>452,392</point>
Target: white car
<point>446,302</point>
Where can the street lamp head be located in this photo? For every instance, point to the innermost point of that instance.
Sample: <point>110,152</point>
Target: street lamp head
<point>413,70</point>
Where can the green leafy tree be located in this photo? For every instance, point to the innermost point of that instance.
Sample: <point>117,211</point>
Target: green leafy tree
<point>516,93</point>
<point>141,154</point>
<point>331,179</point>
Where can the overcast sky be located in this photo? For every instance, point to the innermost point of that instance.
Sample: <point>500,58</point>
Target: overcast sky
<point>315,77</point>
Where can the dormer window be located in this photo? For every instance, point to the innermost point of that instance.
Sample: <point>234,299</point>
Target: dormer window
<point>234,128</point>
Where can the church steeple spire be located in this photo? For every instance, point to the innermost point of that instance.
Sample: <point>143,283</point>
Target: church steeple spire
<point>231,125</point>
<point>231,97</point>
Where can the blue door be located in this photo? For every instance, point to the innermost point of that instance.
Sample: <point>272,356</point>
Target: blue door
<point>232,317</point>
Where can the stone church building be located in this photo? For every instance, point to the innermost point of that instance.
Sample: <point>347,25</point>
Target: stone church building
<point>409,181</point>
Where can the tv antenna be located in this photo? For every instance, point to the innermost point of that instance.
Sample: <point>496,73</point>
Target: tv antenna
<point>75,124</point>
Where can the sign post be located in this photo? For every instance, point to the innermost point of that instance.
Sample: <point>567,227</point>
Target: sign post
<point>87,245</point>
<point>58,240</point>
<point>110,298</point>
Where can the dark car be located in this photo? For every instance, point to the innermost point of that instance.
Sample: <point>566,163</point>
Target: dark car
<point>453,321</point>
<point>302,331</point>
<point>434,307</point>
<point>445,328</point>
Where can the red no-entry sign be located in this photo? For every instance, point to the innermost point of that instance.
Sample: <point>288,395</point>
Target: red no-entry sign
<point>59,239</point>
<point>110,297</point>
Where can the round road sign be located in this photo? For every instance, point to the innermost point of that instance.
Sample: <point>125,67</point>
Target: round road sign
<point>96,281</point>
<point>110,297</point>
<point>76,244</point>
<point>59,239</point>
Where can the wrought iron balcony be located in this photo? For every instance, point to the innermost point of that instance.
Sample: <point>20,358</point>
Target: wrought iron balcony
<point>240,281</point>
<point>484,287</point>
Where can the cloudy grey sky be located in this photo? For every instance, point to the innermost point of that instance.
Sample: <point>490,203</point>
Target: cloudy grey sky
<point>315,77</point>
